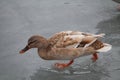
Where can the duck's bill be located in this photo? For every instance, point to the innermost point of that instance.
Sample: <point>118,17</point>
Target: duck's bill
<point>24,50</point>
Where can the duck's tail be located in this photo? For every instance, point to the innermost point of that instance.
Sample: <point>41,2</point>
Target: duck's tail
<point>106,48</point>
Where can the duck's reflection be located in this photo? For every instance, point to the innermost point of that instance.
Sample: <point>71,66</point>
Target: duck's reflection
<point>90,71</point>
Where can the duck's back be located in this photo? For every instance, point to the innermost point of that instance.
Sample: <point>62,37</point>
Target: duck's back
<point>65,39</point>
<point>75,39</point>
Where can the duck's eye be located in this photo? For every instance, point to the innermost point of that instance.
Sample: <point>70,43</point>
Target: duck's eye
<point>32,42</point>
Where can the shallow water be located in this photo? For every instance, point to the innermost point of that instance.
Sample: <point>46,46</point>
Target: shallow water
<point>19,19</point>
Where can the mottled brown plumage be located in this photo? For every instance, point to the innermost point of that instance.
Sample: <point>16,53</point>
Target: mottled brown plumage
<point>96,45</point>
<point>67,45</point>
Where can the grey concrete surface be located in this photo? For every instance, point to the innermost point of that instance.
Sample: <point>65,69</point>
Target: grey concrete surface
<point>19,19</point>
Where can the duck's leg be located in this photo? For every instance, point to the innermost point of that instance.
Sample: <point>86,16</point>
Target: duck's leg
<point>63,65</point>
<point>95,57</point>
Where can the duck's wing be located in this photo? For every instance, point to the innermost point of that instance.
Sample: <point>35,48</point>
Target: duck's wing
<point>95,43</point>
<point>74,39</point>
<point>66,39</point>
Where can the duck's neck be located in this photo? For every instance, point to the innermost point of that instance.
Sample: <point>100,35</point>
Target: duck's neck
<point>43,52</point>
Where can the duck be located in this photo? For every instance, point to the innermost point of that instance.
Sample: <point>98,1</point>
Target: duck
<point>67,45</point>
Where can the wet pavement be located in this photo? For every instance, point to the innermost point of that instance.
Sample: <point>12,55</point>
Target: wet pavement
<point>19,19</point>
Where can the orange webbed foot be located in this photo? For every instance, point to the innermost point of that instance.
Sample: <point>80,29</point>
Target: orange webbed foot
<point>95,57</point>
<point>62,65</point>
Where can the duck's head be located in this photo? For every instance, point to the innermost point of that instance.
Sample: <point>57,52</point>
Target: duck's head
<point>35,41</point>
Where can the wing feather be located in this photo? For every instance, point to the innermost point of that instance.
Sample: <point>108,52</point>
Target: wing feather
<point>74,39</point>
<point>66,39</point>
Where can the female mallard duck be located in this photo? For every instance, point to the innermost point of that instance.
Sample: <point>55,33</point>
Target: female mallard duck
<point>67,45</point>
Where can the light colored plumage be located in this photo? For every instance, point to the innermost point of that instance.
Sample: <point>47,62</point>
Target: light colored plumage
<point>67,45</point>
<point>73,39</point>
